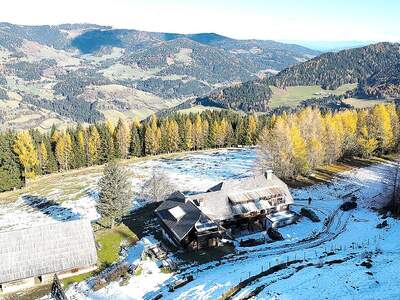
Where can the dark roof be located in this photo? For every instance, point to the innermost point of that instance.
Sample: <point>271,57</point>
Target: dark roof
<point>180,227</point>
<point>177,196</point>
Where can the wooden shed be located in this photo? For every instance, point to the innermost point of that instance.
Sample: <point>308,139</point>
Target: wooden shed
<point>32,256</point>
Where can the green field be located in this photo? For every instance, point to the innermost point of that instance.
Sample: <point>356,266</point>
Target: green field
<point>197,109</point>
<point>292,96</point>
<point>362,103</point>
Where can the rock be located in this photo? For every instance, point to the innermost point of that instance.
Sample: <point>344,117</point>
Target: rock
<point>349,205</point>
<point>274,234</point>
<point>366,264</point>
<point>308,213</point>
<point>382,225</point>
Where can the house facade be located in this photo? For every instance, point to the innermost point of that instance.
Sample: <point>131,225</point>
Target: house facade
<point>232,208</point>
<point>31,256</point>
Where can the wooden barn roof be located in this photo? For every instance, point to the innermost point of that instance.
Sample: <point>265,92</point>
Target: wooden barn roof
<point>238,196</point>
<point>46,249</point>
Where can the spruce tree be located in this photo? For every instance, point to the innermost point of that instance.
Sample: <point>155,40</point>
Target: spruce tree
<point>10,169</point>
<point>115,197</point>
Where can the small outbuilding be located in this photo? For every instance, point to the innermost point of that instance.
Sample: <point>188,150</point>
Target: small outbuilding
<point>32,256</point>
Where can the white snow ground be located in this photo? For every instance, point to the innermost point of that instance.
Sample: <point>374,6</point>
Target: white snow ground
<point>348,236</point>
<point>190,172</point>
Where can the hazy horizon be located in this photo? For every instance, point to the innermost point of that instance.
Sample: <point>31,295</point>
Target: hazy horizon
<point>289,20</point>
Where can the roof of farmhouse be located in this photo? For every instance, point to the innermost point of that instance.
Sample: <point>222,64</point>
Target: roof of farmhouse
<point>179,217</point>
<point>239,196</point>
<point>46,249</point>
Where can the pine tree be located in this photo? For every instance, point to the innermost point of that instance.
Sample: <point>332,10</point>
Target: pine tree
<point>115,197</point>
<point>10,168</point>
<point>107,149</point>
<point>27,153</point>
<point>136,143</point>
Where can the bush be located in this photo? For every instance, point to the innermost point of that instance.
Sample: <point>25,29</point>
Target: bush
<point>308,213</point>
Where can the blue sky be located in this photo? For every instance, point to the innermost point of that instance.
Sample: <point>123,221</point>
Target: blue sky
<point>287,20</point>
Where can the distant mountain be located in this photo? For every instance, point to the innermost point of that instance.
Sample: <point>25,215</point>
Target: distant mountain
<point>331,70</point>
<point>331,46</point>
<point>85,72</point>
<point>374,68</point>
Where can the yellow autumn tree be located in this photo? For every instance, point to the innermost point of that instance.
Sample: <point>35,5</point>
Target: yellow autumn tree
<point>93,146</point>
<point>198,138</point>
<point>122,139</point>
<point>188,135</point>
<point>251,133</point>
<point>381,127</point>
<point>43,156</point>
<point>64,151</point>
<point>172,132</point>
<point>299,151</point>
<point>152,137</point>
<point>27,153</point>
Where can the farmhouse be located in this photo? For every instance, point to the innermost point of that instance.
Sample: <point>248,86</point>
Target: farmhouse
<point>184,224</point>
<point>230,208</point>
<point>32,256</point>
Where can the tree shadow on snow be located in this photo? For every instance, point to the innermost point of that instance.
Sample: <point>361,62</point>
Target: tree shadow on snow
<point>51,208</point>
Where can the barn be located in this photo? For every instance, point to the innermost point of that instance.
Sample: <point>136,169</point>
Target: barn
<point>32,256</point>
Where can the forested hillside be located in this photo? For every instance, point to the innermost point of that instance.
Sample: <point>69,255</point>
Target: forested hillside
<point>374,68</point>
<point>382,84</point>
<point>60,74</point>
<point>295,143</point>
<point>331,70</point>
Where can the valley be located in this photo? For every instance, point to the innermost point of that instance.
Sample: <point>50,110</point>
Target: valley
<point>85,73</point>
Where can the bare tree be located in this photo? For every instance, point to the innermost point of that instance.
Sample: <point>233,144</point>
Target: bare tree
<point>158,187</point>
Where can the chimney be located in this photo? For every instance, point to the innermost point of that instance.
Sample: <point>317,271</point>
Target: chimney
<point>268,174</point>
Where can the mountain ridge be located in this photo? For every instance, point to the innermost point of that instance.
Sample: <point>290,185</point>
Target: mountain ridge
<point>50,74</point>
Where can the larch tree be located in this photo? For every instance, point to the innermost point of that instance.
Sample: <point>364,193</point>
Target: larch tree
<point>122,139</point>
<point>115,196</point>
<point>206,129</point>
<point>27,153</point>
<point>188,135</point>
<point>299,151</point>
<point>43,157</point>
<point>198,138</point>
<point>251,129</point>
<point>93,146</point>
<point>152,137</point>
<point>381,127</point>
<point>64,151</point>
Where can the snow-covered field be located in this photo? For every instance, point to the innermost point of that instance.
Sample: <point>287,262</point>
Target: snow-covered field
<point>191,172</point>
<point>315,261</point>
